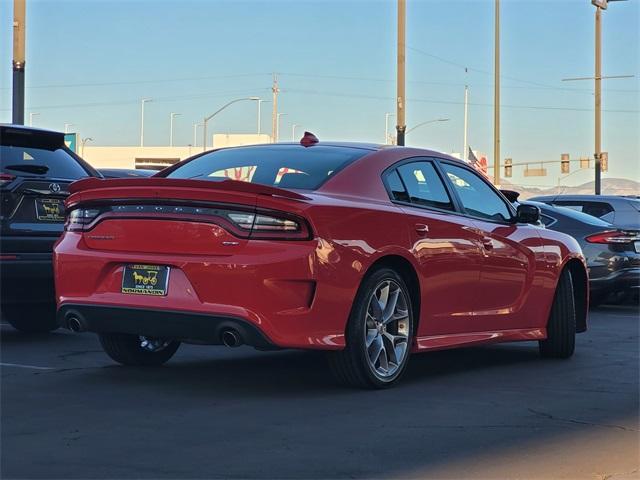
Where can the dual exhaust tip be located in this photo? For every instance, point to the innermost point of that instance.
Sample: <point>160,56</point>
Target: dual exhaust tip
<point>229,336</point>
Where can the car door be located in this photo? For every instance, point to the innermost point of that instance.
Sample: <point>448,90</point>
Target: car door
<point>444,244</point>
<point>512,253</point>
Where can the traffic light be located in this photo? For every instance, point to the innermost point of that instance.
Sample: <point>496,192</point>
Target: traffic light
<point>564,163</point>
<point>508,167</point>
<point>604,161</point>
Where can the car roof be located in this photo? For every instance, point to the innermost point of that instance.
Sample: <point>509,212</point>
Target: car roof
<point>586,197</point>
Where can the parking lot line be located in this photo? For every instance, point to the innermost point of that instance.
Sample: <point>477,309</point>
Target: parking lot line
<point>17,365</point>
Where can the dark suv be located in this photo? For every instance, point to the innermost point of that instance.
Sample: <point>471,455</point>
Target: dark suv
<point>36,169</point>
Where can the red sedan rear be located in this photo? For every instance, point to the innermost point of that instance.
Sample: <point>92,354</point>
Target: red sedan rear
<point>368,252</point>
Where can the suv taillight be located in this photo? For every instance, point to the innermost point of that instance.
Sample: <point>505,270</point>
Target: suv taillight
<point>6,178</point>
<point>613,236</point>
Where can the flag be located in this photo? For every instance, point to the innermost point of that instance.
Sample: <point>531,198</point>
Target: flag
<point>480,164</point>
<point>471,158</point>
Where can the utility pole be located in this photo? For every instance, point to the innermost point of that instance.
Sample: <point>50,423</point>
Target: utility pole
<point>195,133</point>
<point>401,126</point>
<point>274,114</point>
<point>496,97</point>
<point>600,5</point>
<point>598,108</point>
<point>466,122</point>
<point>19,35</point>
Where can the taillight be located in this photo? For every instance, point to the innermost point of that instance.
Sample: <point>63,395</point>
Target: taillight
<point>6,178</point>
<point>613,236</point>
<point>263,226</point>
<point>78,218</point>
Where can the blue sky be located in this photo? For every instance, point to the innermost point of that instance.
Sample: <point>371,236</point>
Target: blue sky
<point>90,62</point>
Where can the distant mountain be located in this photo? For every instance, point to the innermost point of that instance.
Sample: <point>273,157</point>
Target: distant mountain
<point>610,186</point>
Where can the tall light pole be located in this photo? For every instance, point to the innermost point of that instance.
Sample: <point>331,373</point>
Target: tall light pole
<point>172,115</point>
<point>19,35</point>
<point>195,133</point>
<point>293,131</point>
<point>496,98</point>
<point>31,115</point>
<point>142,102</point>
<point>84,142</point>
<point>401,127</point>
<point>206,119</point>
<point>274,112</point>
<point>426,123</point>
<point>260,102</point>
<point>67,126</point>
<point>278,125</point>
<point>386,127</point>
<point>466,123</point>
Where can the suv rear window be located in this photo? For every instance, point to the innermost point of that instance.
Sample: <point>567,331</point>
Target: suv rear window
<point>285,166</point>
<point>26,158</point>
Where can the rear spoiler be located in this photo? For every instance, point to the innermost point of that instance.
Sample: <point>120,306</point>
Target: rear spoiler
<point>225,185</point>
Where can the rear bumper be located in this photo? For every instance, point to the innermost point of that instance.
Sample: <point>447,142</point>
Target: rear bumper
<point>26,279</point>
<point>617,281</point>
<point>161,323</point>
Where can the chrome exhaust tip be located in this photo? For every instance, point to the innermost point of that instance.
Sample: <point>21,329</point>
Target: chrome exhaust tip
<point>75,325</point>
<point>231,338</point>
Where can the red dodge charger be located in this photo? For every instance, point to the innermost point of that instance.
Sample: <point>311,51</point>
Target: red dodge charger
<point>368,252</point>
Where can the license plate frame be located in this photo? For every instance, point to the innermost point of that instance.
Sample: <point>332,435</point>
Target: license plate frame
<point>49,210</point>
<point>144,279</point>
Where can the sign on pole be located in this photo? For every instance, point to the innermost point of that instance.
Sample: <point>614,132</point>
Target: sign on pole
<point>71,141</point>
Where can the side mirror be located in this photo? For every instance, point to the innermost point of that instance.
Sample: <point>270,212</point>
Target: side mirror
<point>528,214</point>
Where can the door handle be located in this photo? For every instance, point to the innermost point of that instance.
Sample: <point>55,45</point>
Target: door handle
<point>421,228</point>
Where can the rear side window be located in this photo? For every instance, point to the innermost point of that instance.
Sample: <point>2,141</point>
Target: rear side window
<point>396,187</point>
<point>596,209</point>
<point>22,161</point>
<point>285,166</point>
<point>424,186</point>
<point>478,199</point>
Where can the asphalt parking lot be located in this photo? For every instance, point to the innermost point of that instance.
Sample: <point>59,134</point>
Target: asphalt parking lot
<point>493,412</point>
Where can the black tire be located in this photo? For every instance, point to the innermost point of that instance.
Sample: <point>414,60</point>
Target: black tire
<point>351,366</point>
<point>561,327</point>
<point>29,319</point>
<point>126,349</point>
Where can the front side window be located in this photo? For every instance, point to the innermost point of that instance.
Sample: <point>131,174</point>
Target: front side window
<point>424,186</point>
<point>285,166</point>
<point>478,198</point>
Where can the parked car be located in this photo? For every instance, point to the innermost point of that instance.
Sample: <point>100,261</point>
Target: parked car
<point>620,211</point>
<point>126,172</point>
<point>368,253</point>
<point>612,254</point>
<point>36,169</point>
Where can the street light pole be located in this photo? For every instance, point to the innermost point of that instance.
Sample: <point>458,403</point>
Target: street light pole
<point>496,96</point>
<point>172,115</point>
<point>426,123</point>
<point>142,102</point>
<point>293,132</point>
<point>466,123</point>
<point>386,127</point>
<point>66,127</point>
<point>278,125</point>
<point>206,119</point>
<point>401,127</point>
<point>31,115</point>
<point>195,133</point>
<point>84,142</point>
<point>260,102</point>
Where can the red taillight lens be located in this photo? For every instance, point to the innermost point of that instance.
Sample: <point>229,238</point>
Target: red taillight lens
<point>6,178</point>
<point>613,236</point>
<point>264,226</point>
<point>78,218</point>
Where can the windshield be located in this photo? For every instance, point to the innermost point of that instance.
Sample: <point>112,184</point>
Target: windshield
<point>284,166</point>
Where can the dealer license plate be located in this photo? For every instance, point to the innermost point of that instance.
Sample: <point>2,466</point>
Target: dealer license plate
<point>145,279</point>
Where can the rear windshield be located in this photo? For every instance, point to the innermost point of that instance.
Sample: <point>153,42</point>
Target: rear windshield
<point>284,166</point>
<point>23,161</point>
